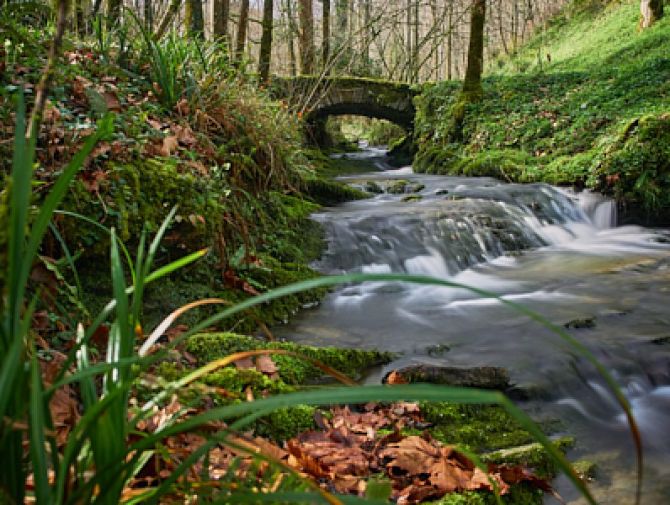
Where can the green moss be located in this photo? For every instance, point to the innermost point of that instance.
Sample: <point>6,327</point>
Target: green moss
<point>208,347</point>
<point>280,425</point>
<point>286,423</point>
<point>477,427</point>
<point>636,165</point>
<point>522,494</point>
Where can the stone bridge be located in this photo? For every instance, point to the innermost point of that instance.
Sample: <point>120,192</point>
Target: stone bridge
<point>321,97</point>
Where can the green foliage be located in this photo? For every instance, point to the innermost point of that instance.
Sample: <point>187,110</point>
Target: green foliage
<point>558,122</point>
<point>636,165</point>
<point>210,346</point>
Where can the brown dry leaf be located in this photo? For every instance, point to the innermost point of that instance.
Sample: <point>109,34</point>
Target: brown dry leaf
<point>111,100</point>
<point>199,167</point>
<point>182,107</point>
<point>156,125</point>
<point>267,366</point>
<point>170,145</point>
<point>184,135</point>
<point>395,378</point>
<point>245,364</point>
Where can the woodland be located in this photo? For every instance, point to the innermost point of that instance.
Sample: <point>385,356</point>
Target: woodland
<point>217,287</point>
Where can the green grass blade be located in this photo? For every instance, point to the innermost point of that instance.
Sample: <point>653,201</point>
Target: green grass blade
<point>18,220</point>
<point>175,265</point>
<point>38,423</point>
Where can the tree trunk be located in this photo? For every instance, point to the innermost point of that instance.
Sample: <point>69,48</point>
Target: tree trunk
<point>652,11</point>
<point>148,15</point>
<point>113,12</point>
<point>221,15</point>
<point>79,18</point>
<point>450,41</point>
<point>306,36</point>
<point>291,38</point>
<point>266,41</point>
<point>367,30</point>
<point>242,29</point>
<point>472,86</point>
<point>325,33</point>
<point>194,19</point>
<point>342,23</point>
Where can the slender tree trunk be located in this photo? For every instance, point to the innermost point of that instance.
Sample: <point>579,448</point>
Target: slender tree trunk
<point>368,33</point>
<point>652,11</point>
<point>325,33</point>
<point>194,19</point>
<point>113,12</point>
<point>472,84</point>
<point>266,41</point>
<point>450,41</point>
<point>291,38</point>
<point>342,23</point>
<point>408,40</point>
<point>221,15</point>
<point>79,18</point>
<point>242,29</point>
<point>148,15</point>
<point>306,36</point>
<point>415,44</point>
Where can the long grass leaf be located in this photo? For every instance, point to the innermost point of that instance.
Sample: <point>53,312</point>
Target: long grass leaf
<point>38,455</point>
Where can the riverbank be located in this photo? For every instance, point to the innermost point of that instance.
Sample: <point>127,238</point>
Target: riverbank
<point>586,103</point>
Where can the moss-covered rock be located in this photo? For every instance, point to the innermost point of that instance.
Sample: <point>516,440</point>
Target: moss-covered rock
<point>210,346</point>
<point>635,167</point>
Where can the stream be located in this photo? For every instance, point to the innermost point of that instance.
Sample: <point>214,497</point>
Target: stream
<point>554,251</point>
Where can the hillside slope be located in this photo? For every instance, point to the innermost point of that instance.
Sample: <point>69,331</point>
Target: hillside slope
<point>585,102</point>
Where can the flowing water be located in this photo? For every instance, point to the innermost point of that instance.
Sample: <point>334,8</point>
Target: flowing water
<point>558,253</point>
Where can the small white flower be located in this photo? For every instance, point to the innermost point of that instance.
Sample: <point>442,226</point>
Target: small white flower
<point>8,44</point>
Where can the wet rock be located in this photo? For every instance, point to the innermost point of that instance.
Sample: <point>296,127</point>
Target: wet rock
<point>441,192</point>
<point>415,188</point>
<point>485,377</point>
<point>585,469</point>
<point>665,340</point>
<point>580,324</point>
<point>412,198</point>
<point>373,187</point>
<point>437,350</point>
<point>397,187</point>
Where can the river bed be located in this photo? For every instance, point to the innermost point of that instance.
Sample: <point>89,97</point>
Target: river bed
<point>558,253</point>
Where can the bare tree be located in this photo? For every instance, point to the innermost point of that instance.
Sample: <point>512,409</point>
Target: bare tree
<point>221,14</point>
<point>194,18</point>
<point>306,36</point>
<point>472,85</point>
<point>242,26</point>
<point>265,54</point>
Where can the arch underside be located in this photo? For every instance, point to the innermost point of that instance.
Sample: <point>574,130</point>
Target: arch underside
<point>404,119</point>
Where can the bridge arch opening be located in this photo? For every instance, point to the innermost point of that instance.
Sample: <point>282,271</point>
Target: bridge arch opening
<point>349,130</point>
<point>320,121</point>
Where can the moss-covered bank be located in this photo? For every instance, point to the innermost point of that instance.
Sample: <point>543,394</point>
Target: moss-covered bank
<point>595,116</point>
